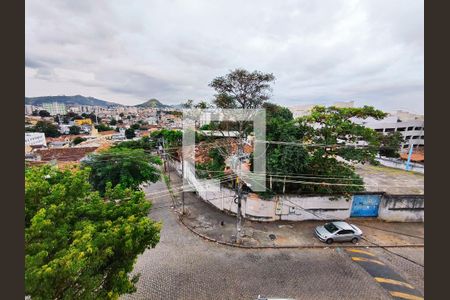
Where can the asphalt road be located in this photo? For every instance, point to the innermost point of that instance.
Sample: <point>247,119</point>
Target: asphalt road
<point>184,266</point>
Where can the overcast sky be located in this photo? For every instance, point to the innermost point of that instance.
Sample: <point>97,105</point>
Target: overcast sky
<point>369,51</point>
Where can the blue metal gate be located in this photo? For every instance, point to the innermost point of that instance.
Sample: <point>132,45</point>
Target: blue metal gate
<point>365,205</point>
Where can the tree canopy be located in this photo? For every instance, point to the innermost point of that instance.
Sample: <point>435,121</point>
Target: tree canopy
<point>242,89</point>
<point>48,128</point>
<point>128,167</point>
<point>79,245</point>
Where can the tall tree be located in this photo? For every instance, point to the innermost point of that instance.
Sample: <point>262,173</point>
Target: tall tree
<point>128,167</point>
<point>79,245</point>
<point>74,130</point>
<point>48,128</point>
<point>44,113</point>
<point>243,89</point>
<point>129,133</point>
<point>390,144</point>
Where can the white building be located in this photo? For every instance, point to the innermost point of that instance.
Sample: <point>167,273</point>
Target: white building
<point>28,109</point>
<point>411,126</point>
<point>55,108</point>
<point>35,139</point>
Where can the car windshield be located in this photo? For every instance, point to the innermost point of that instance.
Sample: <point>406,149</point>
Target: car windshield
<point>330,227</point>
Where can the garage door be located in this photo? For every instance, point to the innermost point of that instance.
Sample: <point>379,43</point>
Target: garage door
<point>365,205</point>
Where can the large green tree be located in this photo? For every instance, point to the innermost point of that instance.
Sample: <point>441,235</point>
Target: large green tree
<point>48,128</point>
<point>128,167</point>
<point>390,144</point>
<point>79,245</point>
<point>129,133</point>
<point>74,130</point>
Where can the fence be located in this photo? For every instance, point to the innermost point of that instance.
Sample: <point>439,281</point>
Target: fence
<point>399,164</point>
<point>399,208</point>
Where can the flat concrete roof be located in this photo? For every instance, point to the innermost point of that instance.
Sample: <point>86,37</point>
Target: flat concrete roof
<point>391,180</point>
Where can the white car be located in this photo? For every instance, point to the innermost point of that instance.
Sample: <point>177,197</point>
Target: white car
<point>338,231</point>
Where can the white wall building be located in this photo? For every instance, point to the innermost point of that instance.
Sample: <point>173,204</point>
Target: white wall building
<point>35,139</point>
<point>55,108</point>
<point>411,126</point>
<point>28,109</point>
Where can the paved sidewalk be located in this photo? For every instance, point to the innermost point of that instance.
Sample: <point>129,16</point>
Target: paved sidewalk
<point>207,221</point>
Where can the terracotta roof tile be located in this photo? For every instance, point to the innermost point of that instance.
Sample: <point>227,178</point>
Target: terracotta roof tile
<point>65,154</point>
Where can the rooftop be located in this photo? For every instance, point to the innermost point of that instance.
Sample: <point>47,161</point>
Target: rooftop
<point>390,180</point>
<point>64,154</point>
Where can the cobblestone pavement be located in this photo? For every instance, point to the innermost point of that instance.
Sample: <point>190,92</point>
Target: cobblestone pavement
<point>184,266</point>
<point>412,271</point>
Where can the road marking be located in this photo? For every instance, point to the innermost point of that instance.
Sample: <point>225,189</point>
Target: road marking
<point>392,281</point>
<point>361,251</point>
<point>405,296</point>
<point>367,260</point>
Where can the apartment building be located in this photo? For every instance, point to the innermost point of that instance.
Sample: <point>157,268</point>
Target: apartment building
<point>55,108</point>
<point>411,126</point>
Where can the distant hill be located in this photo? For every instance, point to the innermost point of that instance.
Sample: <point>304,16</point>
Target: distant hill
<point>153,103</point>
<point>69,100</point>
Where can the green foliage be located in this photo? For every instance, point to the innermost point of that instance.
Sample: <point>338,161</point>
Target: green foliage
<point>113,122</point>
<point>332,126</point>
<point>390,144</point>
<point>325,126</point>
<point>79,245</point>
<point>129,133</point>
<point>144,143</point>
<point>103,127</point>
<point>215,167</point>
<point>74,130</point>
<point>242,89</point>
<point>135,126</point>
<point>44,113</point>
<point>48,128</point>
<point>128,167</point>
<point>78,140</point>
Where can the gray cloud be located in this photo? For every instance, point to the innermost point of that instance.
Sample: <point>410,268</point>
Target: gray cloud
<point>369,51</point>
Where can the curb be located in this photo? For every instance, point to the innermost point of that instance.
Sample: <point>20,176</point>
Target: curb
<point>207,238</point>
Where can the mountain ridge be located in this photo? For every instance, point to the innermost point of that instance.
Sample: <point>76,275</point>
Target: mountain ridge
<point>70,100</point>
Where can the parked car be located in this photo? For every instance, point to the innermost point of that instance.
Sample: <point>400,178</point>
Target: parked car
<point>338,231</point>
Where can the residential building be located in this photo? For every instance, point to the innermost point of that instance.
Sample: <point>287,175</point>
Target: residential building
<point>35,139</point>
<point>55,108</point>
<point>83,122</point>
<point>28,109</point>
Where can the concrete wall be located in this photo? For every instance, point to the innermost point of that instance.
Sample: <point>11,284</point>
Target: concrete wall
<point>297,208</point>
<point>401,165</point>
<point>402,208</point>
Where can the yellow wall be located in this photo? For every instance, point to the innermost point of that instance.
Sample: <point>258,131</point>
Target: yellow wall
<point>83,121</point>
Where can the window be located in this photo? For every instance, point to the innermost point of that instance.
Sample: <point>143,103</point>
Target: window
<point>415,137</point>
<point>408,137</point>
<point>389,130</point>
<point>410,128</point>
<point>405,146</point>
<point>345,232</point>
<point>401,129</point>
<point>422,137</point>
<point>330,227</point>
<point>379,130</point>
<point>418,128</point>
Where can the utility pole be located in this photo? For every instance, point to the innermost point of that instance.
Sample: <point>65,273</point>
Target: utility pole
<point>239,186</point>
<point>238,212</point>
<point>411,146</point>
<point>182,187</point>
